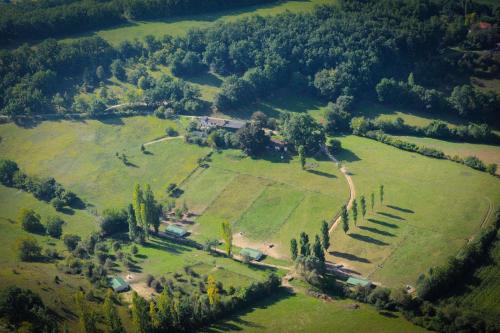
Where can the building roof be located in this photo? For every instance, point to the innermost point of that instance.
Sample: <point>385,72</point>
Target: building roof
<point>252,253</point>
<point>178,231</point>
<point>358,282</point>
<point>485,25</point>
<point>118,283</point>
<point>226,123</point>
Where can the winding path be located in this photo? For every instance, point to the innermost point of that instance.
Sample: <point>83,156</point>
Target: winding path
<point>167,138</point>
<point>352,189</point>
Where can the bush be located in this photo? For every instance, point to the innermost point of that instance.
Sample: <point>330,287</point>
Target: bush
<point>57,203</point>
<point>113,221</point>
<point>475,163</point>
<point>149,279</point>
<point>134,250</point>
<point>54,226</point>
<point>170,131</point>
<point>28,249</point>
<point>30,221</point>
<point>7,170</point>
<point>334,146</point>
<point>71,241</point>
<point>491,168</point>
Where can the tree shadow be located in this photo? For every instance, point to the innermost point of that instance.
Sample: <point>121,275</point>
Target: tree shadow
<point>110,120</point>
<point>368,239</point>
<point>404,210</point>
<point>347,155</point>
<point>385,224</point>
<point>349,256</point>
<point>388,314</point>
<point>147,152</point>
<point>67,211</point>
<point>321,173</point>
<point>205,78</point>
<point>130,164</point>
<point>392,216</point>
<point>377,231</point>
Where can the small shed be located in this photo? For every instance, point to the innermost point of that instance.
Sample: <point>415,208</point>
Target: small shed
<point>176,231</point>
<point>118,284</point>
<point>353,281</point>
<point>251,253</point>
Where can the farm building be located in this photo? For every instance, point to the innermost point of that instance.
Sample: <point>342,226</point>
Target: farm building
<point>207,122</point>
<point>353,281</point>
<point>176,231</point>
<point>251,253</point>
<point>119,285</point>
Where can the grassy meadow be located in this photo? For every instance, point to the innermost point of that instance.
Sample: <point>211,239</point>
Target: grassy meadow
<point>428,203</point>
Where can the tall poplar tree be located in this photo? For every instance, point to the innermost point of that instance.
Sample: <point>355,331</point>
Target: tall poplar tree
<point>227,236</point>
<point>293,248</point>
<point>363,206</point>
<point>344,215</point>
<point>132,223</point>
<point>325,236</point>
<point>137,200</point>
<point>355,211</point>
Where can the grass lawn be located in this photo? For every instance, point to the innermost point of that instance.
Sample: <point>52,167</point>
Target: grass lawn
<point>486,153</point>
<point>81,156</point>
<point>286,312</point>
<point>180,25</point>
<point>431,208</point>
<point>268,200</point>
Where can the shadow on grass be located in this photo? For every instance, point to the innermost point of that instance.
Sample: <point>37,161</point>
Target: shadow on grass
<point>111,120</point>
<point>377,231</point>
<point>392,216</point>
<point>388,314</point>
<point>165,245</point>
<point>350,257</point>
<point>347,155</point>
<point>385,224</point>
<point>236,323</point>
<point>321,173</point>
<point>368,239</point>
<point>404,210</point>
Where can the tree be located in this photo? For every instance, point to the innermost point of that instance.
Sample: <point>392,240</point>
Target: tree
<point>137,200</point>
<point>344,215</point>
<point>372,200</point>
<point>132,223</point>
<point>363,206</point>
<point>325,236</point>
<point>71,241</point>
<point>118,70</point>
<point>252,138</point>
<point>100,73</point>
<point>139,311</point>
<point>143,215</point>
<point>227,236</point>
<point>57,203</point>
<point>381,191</point>
<point>213,292</point>
<point>300,129</point>
<point>359,125</point>
<point>305,248</point>
<point>302,157</point>
<point>491,168</point>
<point>151,211</point>
<point>30,221</point>
<point>293,248</point>
<point>154,317</point>
<point>54,226</point>
<point>355,211</point>
<point>88,316</point>
<point>318,249</point>
<point>28,249</point>
<point>7,170</point>
<point>111,316</point>
<point>334,146</point>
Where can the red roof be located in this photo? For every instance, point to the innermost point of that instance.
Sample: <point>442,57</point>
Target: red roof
<point>484,25</point>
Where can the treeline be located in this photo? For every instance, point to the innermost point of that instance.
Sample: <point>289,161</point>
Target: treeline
<point>46,189</point>
<point>20,21</point>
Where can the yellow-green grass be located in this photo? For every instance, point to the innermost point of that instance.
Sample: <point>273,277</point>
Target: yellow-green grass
<point>81,156</point>
<point>483,291</point>
<point>180,25</point>
<point>431,208</point>
<point>285,312</point>
<point>266,199</point>
<point>486,153</point>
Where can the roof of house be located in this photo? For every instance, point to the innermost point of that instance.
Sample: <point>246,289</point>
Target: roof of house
<point>178,231</point>
<point>358,282</point>
<point>252,253</point>
<point>485,25</point>
<point>117,283</point>
<point>227,123</point>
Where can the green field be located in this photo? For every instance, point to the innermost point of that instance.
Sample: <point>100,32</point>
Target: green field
<point>431,208</point>
<point>269,201</point>
<point>286,312</point>
<point>179,26</point>
<point>486,153</point>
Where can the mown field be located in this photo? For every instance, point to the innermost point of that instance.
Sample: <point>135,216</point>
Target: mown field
<point>300,313</point>
<point>179,26</point>
<point>431,208</point>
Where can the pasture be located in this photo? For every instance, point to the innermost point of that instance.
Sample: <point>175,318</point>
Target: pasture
<point>286,312</point>
<point>431,208</point>
<point>180,25</point>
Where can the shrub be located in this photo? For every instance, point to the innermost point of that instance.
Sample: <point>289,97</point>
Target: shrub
<point>491,168</point>
<point>170,131</point>
<point>334,146</point>
<point>134,250</point>
<point>149,279</point>
<point>28,249</point>
<point>71,241</point>
<point>7,170</point>
<point>57,203</point>
<point>113,221</point>
<point>30,221</point>
<point>475,163</point>
<point>54,226</point>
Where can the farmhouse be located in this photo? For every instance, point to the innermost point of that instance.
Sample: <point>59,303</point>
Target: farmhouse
<point>119,285</point>
<point>208,122</point>
<point>251,253</point>
<point>353,281</point>
<point>176,231</point>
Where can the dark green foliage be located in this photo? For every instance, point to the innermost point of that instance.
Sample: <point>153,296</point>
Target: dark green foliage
<point>7,171</point>
<point>325,236</point>
<point>475,163</point>
<point>71,241</point>
<point>293,249</point>
<point>302,130</point>
<point>305,247</point>
<point>54,226</point>
<point>28,249</point>
<point>252,138</point>
<point>30,221</point>
<point>113,221</point>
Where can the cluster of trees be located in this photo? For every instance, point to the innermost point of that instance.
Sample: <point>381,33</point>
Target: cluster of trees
<point>184,312</point>
<point>464,100</point>
<point>143,213</point>
<point>31,222</point>
<point>24,311</point>
<point>46,189</point>
<point>470,161</point>
<point>23,20</point>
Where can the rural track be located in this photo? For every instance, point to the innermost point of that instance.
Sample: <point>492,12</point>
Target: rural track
<point>350,182</point>
<point>167,138</point>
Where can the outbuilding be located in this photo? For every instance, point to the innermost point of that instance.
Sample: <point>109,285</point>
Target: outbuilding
<point>118,284</point>
<point>251,253</point>
<point>176,231</point>
<point>354,281</point>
